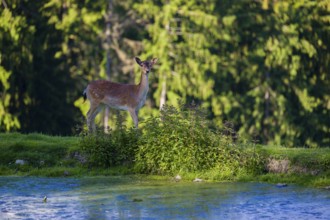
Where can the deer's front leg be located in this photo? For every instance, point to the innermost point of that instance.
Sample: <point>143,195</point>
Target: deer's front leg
<point>134,117</point>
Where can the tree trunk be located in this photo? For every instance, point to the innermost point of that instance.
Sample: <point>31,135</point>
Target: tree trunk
<point>108,62</point>
<point>163,95</point>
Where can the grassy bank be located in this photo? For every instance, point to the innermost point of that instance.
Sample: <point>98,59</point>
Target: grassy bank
<point>303,166</point>
<point>42,155</point>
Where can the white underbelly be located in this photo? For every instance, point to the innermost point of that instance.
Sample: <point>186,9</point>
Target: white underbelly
<point>113,103</point>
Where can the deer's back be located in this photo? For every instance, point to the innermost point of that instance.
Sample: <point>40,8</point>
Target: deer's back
<point>112,93</point>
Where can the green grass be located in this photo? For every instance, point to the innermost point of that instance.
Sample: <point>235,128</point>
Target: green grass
<point>38,149</point>
<point>300,179</point>
<point>55,153</point>
<point>310,158</point>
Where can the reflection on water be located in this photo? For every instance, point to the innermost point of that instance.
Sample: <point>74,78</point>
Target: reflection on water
<point>123,198</point>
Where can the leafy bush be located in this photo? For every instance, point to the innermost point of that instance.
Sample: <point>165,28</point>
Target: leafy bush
<point>110,149</point>
<point>180,141</point>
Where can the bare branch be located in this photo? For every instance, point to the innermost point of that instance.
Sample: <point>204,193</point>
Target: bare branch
<point>4,4</point>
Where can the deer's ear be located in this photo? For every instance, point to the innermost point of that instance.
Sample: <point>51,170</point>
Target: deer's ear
<point>154,60</point>
<point>138,61</point>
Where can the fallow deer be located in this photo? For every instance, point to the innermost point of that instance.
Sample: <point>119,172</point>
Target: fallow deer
<point>128,97</point>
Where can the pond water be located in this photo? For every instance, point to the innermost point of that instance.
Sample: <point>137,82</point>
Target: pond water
<point>127,198</point>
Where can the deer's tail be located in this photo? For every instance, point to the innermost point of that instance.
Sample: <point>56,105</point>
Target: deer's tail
<point>85,95</point>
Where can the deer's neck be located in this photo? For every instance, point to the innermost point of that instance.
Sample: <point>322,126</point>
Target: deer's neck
<point>144,85</point>
<point>143,88</point>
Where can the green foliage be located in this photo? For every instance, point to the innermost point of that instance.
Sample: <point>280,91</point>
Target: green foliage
<point>9,29</point>
<point>180,141</point>
<point>272,56</point>
<point>110,149</point>
<point>261,64</point>
<point>182,35</point>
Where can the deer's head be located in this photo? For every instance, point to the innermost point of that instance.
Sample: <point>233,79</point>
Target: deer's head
<point>146,65</point>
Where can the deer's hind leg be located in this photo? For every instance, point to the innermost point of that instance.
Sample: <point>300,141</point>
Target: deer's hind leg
<point>94,109</point>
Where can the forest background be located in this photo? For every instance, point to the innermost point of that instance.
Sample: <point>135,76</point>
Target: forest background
<point>259,66</point>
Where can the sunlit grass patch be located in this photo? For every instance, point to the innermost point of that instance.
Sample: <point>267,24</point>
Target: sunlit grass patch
<point>301,179</point>
<point>37,150</point>
<point>313,159</point>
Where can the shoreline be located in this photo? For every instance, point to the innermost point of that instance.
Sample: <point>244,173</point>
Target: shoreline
<point>50,156</point>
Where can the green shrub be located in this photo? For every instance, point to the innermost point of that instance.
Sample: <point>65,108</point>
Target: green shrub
<point>180,141</point>
<point>110,149</point>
